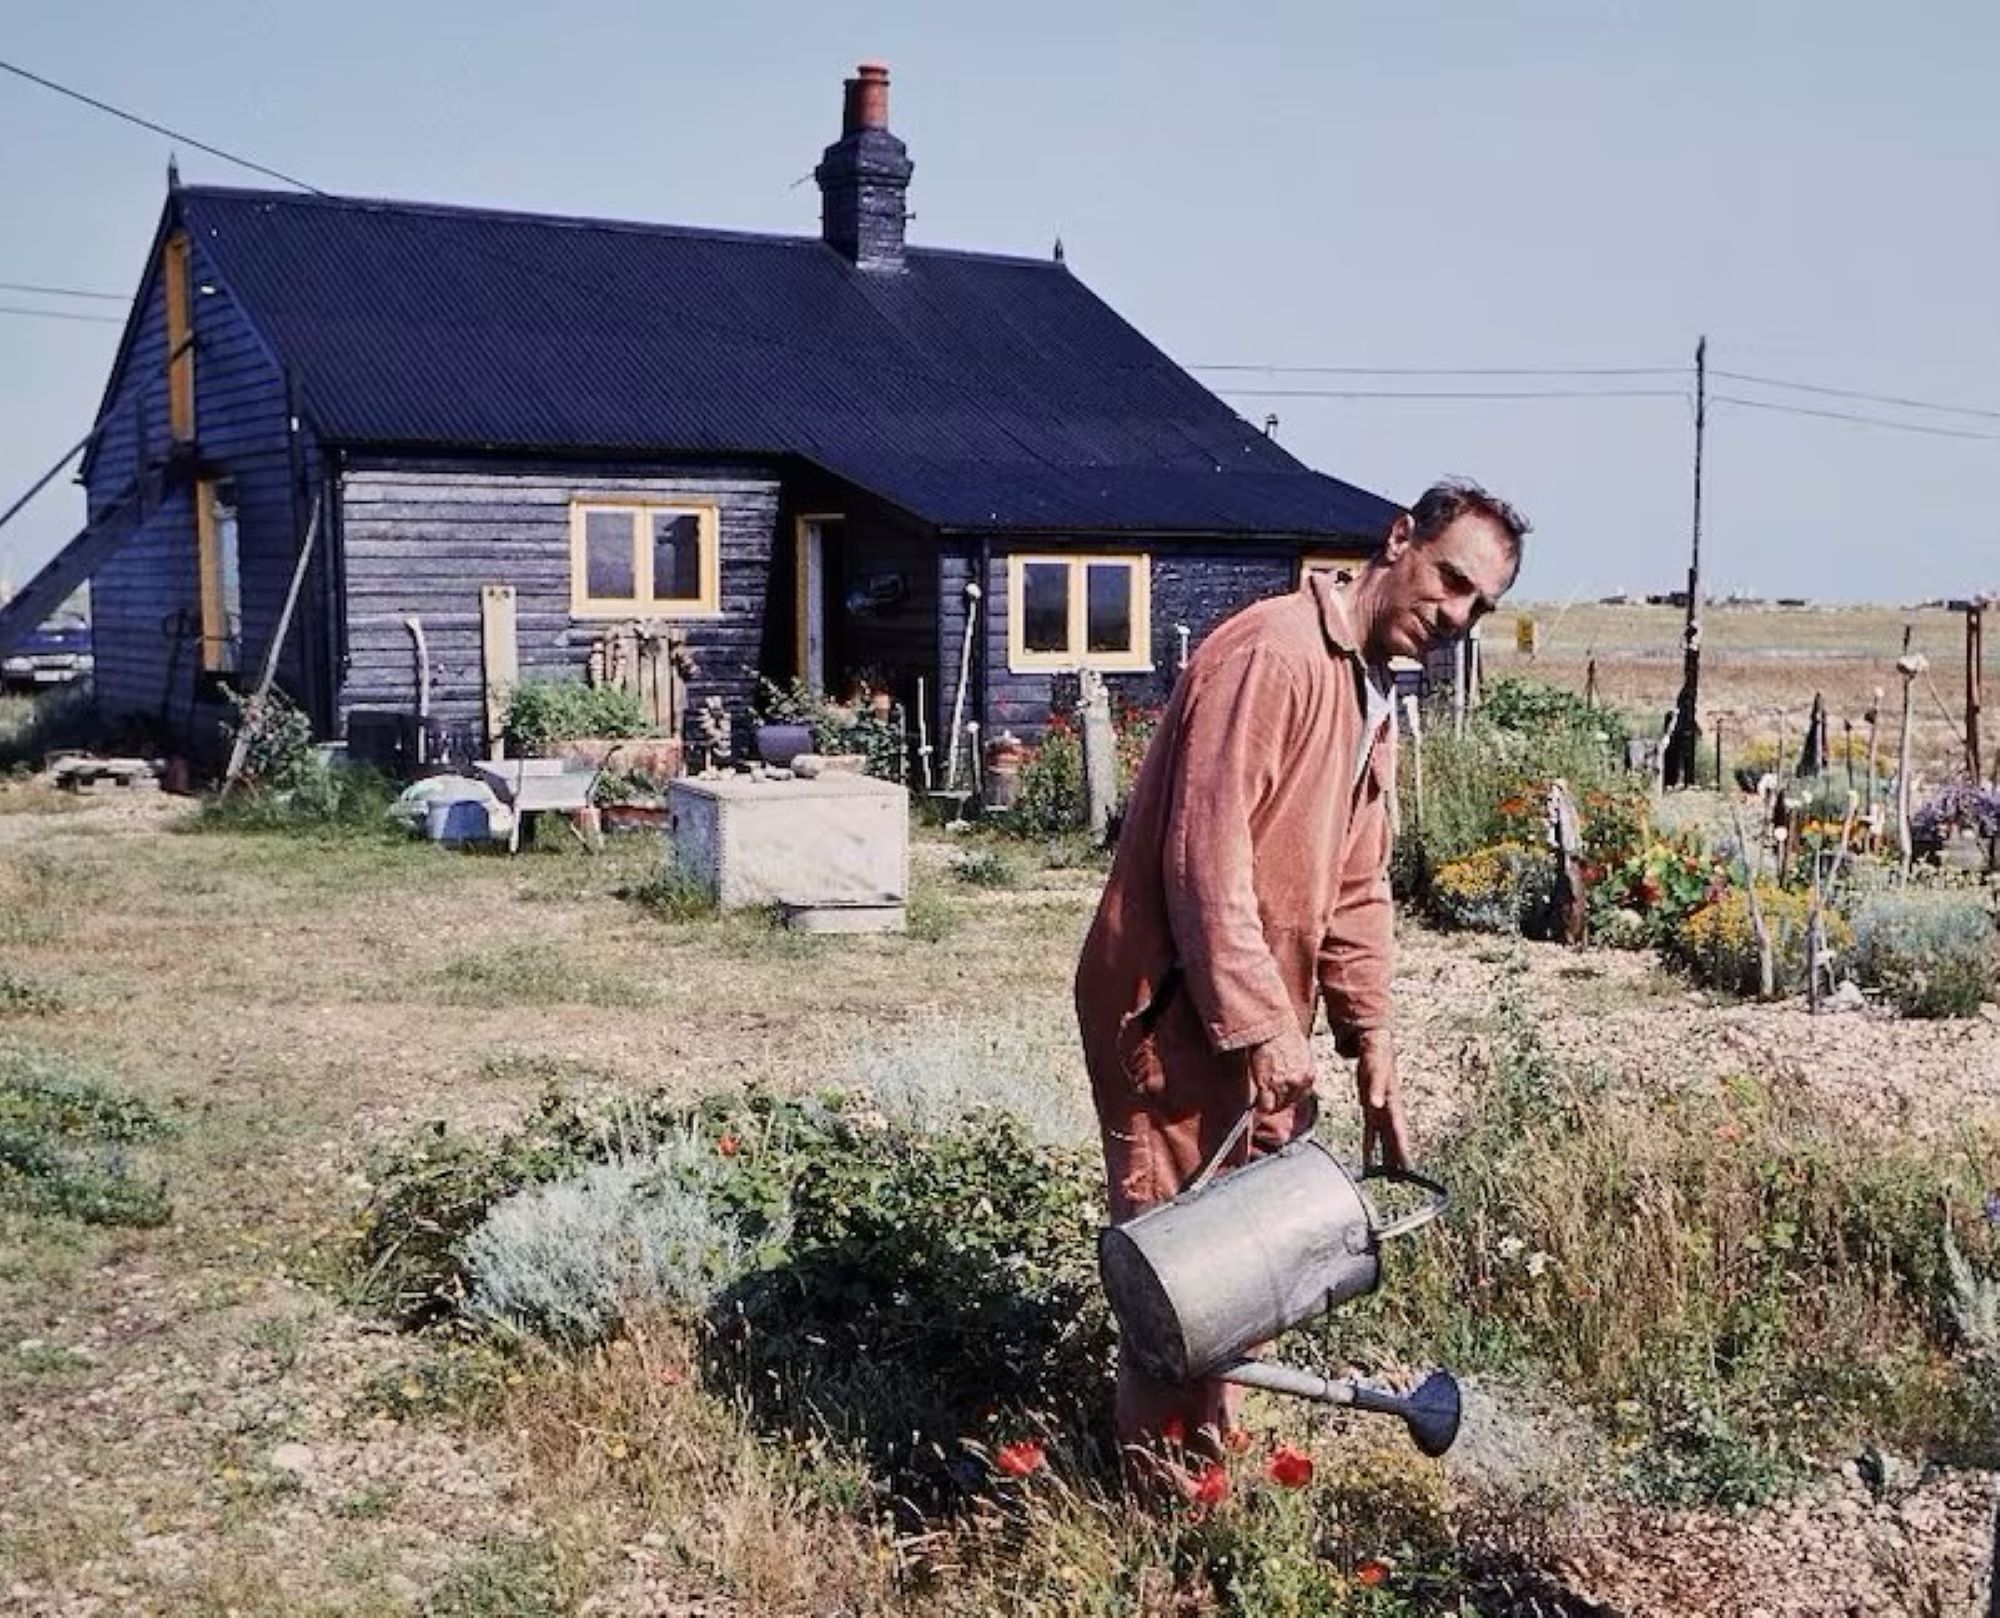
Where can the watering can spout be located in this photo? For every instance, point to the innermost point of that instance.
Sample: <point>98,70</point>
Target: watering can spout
<point>1430,1410</point>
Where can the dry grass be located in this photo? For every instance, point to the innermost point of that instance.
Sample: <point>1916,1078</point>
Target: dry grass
<point>1761,667</point>
<point>295,1005</point>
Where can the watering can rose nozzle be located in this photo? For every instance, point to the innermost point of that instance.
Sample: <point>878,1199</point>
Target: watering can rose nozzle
<point>1430,1410</point>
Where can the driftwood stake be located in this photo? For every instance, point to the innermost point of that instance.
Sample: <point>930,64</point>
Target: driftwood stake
<point>1767,969</point>
<point>239,751</point>
<point>1909,665</point>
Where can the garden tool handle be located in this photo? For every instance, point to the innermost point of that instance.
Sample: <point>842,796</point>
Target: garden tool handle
<point>1440,1199</point>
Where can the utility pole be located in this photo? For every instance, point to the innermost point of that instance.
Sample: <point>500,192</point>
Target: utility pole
<point>1685,737</point>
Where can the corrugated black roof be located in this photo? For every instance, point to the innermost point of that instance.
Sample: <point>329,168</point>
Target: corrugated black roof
<point>974,391</point>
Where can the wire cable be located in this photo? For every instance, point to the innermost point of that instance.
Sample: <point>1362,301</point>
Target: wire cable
<point>1427,393</point>
<point>158,129</point>
<point>60,314</point>
<point>1450,370</point>
<point>62,292</point>
<point>1847,415</point>
<point>1850,393</point>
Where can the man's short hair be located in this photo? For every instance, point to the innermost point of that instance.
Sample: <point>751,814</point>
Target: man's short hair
<point>1445,501</point>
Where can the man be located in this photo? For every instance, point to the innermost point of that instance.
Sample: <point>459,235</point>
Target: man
<point>1251,878</point>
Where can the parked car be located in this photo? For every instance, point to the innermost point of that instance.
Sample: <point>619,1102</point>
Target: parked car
<point>56,654</point>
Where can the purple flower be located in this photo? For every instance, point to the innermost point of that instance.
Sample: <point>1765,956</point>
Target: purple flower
<point>1993,1207</point>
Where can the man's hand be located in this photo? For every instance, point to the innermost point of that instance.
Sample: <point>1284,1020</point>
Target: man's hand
<point>1281,1072</point>
<point>1383,1127</point>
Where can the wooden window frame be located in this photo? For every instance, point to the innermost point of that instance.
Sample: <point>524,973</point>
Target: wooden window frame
<point>179,291</point>
<point>642,603</point>
<point>1138,659</point>
<point>808,611</point>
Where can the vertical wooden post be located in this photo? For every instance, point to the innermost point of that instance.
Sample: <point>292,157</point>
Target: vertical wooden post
<point>1874,718</point>
<point>1974,682</point>
<point>1909,666</point>
<point>499,657</point>
<point>1682,741</point>
<point>1415,712</point>
<point>1100,753</point>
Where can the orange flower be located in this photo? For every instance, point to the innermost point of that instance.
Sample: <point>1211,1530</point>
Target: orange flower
<point>1174,1430</point>
<point>1023,1456</point>
<point>1238,1439</point>
<point>729,1146</point>
<point>1371,1571</point>
<point>1290,1468</point>
<point>1211,1488</point>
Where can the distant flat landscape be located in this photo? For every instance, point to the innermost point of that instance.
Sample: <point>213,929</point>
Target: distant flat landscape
<point>1762,665</point>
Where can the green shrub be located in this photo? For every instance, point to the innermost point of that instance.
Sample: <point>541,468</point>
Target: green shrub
<point>1647,897</point>
<point>67,1143</point>
<point>1491,784</point>
<point>1717,943</point>
<point>1049,800</point>
<point>1927,954</point>
<point>541,713</point>
<point>837,727</point>
<point>672,893</point>
<point>910,1287</point>
<point>320,800</point>
<point>986,868</point>
<point>33,727</point>
<point>645,1230</point>
<point>1504,888</point>
<point>1530,708</point>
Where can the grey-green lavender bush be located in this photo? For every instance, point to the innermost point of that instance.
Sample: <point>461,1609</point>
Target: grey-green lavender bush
<point>570,1259</point>
<point>1929,954</point>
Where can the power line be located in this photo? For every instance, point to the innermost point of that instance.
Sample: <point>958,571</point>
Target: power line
<point>1425,393</point>
<point>158,129</point>
<point>1450,370</point>
<point>1846,415</point>
<point>1849,393</point>
<point>61,292</point>
<point>60,314</point>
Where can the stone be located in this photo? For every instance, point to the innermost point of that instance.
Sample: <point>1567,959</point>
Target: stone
<point>292,1458</point>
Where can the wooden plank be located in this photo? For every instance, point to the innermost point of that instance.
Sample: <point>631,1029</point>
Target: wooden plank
<point>500,660</point>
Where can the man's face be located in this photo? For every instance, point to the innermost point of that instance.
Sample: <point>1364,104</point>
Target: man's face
<point>1436,590</point>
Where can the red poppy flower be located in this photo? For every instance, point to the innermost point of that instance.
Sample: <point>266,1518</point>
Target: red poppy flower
<point>1371,1571</point>
<point>1238,1439</point>
<point>729,1146</point>
<point>1023,1456</point>
<point>1290,1468</point>
<point>1174,1430</point>
<point>1211,1488</point>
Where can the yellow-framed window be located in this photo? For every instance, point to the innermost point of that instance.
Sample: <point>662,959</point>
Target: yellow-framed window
<point>179,293</point>
<point>644,559</point>
<point>1077,611</point>
<point>1343,565</point>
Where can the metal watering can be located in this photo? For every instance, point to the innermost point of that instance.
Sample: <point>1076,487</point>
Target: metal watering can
<point>1235,1261</point>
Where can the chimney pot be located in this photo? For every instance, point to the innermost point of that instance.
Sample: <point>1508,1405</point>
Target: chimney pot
<point>867,99</point>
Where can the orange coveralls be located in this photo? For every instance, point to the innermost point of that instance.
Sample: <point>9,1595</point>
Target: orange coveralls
<point>1251,877</point>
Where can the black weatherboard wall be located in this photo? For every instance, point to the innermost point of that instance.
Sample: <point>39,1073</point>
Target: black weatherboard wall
<point>420,537</point>
<point>147,595</point>
<point>1195,582</point>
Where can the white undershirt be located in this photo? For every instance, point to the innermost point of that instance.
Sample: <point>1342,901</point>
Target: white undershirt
<point>1378,699</point>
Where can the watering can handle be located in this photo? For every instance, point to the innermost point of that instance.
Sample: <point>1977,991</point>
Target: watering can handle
<point>1440,1199</point>
<point>1228,1145</point>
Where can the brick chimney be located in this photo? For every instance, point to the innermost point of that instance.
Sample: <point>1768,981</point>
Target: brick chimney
<point>863,177</point>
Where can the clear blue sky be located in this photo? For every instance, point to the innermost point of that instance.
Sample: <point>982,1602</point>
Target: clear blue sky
<point>1572,183</point>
